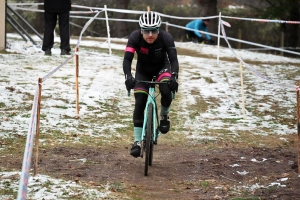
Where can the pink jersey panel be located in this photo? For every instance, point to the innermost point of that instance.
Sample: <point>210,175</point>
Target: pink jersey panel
<point>164,76</point>
<point>130,49</point>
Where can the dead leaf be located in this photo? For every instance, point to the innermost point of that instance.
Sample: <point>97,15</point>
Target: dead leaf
<point>92,183</point>
<point>284,175</point>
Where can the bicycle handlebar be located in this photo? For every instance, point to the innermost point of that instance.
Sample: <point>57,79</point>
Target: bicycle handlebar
<point>152,82</point>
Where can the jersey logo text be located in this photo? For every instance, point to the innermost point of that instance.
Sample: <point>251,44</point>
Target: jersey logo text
<point>144,50</point>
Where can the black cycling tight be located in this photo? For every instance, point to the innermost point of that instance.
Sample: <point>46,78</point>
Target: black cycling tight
<point>140,103</point>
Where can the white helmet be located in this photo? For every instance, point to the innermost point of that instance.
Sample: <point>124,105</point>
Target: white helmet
<point>150,20</point>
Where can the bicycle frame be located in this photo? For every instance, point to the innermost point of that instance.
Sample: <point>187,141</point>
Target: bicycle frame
<point>151,100</point>
<point>150,130</point>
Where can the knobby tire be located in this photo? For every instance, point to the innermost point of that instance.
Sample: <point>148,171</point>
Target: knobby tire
<point>149,136</point>
<point>151,154</point>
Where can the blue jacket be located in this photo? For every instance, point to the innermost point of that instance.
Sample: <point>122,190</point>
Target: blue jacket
<point>197,24</point>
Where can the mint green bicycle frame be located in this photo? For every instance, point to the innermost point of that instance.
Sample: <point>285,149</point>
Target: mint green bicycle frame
<point>147,143</point>
<point>151,100</point>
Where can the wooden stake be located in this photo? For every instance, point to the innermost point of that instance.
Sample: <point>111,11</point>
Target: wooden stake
<point>282,42</point>
<point>37,133</point>
<point>242,89</point>
<point>77,75</point>
<point>239,46</point>
<point>167,27</point>
<point>148,8</point>
<point>298,125</point>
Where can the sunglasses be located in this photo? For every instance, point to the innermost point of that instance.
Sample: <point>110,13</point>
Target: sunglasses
<point>152,31</point>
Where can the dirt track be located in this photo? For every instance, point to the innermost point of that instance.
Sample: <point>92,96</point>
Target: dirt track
<point>179,172</point>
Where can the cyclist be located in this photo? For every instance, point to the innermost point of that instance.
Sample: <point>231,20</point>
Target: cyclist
<point>156,56</point>
<point>198,25</point>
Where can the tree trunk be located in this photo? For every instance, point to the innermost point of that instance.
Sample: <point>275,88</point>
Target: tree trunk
<point>40,18</point>
<point>121,27</point>
<point>209,8</point>
<point>292,30</point>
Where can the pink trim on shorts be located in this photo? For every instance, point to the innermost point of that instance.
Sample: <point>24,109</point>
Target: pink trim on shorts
<point>164,76</point>
<point>130,49</point>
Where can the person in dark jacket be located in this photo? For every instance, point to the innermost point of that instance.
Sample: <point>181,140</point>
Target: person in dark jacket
<point>198,25</point>
<point>54,9</point>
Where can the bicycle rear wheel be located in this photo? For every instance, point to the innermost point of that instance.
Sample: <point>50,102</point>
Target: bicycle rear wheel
<point>149,136</point>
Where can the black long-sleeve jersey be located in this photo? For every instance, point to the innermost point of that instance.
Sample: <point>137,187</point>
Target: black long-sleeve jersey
<point>150,57</point>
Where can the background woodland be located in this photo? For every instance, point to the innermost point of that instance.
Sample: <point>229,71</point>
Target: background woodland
<point>258,32</point>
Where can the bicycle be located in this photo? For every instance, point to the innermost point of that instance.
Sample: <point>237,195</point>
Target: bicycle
<point>150,131</point>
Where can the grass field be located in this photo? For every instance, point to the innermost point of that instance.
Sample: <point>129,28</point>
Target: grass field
<point>208,109</point>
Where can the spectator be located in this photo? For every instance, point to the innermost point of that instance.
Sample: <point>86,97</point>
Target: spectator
<point>198,25</point>
<point>54,9</point>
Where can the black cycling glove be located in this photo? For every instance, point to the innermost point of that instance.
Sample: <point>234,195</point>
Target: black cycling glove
<point>130,82</point>
<point>173,84</point>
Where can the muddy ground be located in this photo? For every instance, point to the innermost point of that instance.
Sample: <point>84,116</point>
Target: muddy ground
<point>178,172</point>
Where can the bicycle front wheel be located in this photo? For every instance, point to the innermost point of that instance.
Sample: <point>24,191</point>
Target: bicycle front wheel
<point>149,136</point>
<point>151,154</point>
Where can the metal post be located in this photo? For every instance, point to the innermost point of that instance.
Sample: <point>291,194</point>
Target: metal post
<point>24,21</point>
<point>108,31</point>
<point>20,27</point>
<point>219,27</point>
<point>16,29</point>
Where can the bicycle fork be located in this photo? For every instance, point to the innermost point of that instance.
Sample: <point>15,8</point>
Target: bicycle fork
<point>155,124</point>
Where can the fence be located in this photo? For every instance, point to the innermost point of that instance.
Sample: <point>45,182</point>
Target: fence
<point>35,117</point>
<point>34,122</point>
<point>87,10</point>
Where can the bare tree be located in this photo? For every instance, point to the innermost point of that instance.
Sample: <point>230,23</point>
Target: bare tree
<point>209,8</point>
<point>40,18</point>
<point>285,10</point>
<point>121,27</point>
